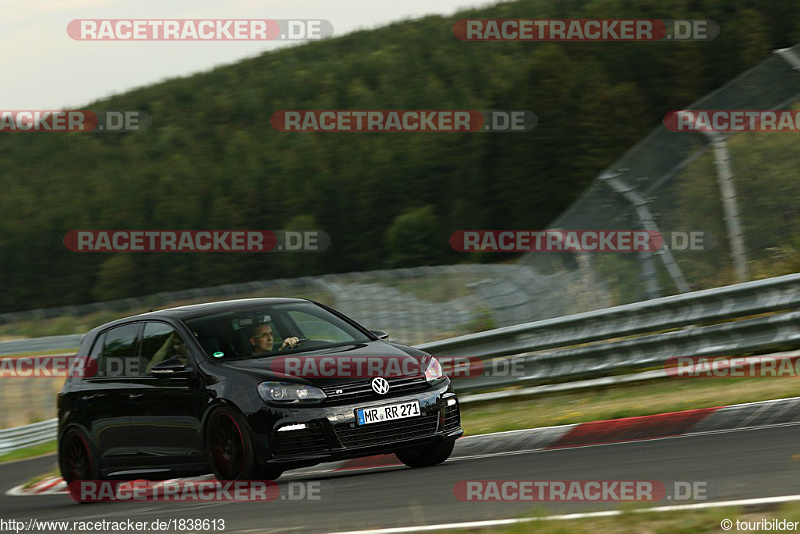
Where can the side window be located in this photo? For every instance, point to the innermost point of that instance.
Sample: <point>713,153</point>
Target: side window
<point>161,342</point>
<point>315,328</point>
<point>119,352</point>
<point>97,348</point>
<point>92,366</point>
<point>88,368</point>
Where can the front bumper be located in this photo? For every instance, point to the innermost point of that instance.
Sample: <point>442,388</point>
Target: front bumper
<point>315,434</point>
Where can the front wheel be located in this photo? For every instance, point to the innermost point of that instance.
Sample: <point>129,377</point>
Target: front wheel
<point>427,455</point>
<point>230,450</point>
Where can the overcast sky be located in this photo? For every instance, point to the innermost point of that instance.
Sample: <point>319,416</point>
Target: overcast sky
<point>43,68</point>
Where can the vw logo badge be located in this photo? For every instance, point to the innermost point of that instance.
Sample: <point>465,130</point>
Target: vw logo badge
<point>380,385</point>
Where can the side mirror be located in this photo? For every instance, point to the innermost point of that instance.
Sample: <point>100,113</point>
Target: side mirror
<point>172,368</point>
<point>380,334</point>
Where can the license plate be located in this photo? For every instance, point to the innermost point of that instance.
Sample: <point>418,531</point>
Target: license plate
<point>365,416</point>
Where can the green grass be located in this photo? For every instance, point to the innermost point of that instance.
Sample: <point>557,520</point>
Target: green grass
<point>54,472</point>
<point>630,521</point>
<point>51,352</point>
<point>31,452</point>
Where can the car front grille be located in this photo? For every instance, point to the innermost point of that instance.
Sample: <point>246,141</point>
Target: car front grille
<point>351,435</point>
<point>362,390</point>
<point>301,441</point>
<point>452,418</point>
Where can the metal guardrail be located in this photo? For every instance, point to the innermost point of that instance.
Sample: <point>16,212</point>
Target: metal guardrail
<point>605,342</point>
<point>12,439</point>
<point>589,344</point>
<point>66,342</point>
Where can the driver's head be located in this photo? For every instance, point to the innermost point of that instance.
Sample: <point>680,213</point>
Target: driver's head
<point>262,339</point>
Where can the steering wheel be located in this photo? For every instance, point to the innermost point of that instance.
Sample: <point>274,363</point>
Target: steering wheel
<point>299,340</point>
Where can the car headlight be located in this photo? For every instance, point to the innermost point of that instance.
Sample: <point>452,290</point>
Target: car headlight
<point>287,392</point>
<point>434,373</point>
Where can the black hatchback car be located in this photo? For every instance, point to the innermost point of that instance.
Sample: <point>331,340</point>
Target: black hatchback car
<point>247,389</point>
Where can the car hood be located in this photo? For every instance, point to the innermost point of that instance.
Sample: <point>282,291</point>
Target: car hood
<point>385,356</point>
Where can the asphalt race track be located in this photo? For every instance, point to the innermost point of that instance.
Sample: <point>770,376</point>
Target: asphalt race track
<point>734,465</point>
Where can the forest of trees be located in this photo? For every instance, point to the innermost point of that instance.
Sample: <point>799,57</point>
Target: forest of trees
<point>211,159</point>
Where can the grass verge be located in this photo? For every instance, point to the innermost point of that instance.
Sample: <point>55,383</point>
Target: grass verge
<point>30,452</point>
<point>54,472</point>
<point>51,352</point>
<point>678,522</point>
<point>627,400</point>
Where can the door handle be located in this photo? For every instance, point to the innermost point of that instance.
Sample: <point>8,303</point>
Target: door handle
<point>136,396</point>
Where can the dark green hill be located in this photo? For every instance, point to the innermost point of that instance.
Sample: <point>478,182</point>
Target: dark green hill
<point>211,160</point>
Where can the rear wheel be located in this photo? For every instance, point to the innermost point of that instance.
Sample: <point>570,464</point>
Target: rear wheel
<point>76,458</point>
<point>427,455</point>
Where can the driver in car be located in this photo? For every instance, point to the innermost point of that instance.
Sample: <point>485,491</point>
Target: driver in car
<point>263,341</point>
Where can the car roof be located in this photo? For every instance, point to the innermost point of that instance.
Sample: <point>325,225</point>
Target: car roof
<point>192,310</point>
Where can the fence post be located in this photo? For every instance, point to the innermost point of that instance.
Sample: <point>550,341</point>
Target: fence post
<point>730,204</point>
<point>647,222</point>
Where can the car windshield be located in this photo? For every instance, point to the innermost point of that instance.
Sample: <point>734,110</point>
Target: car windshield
<point>270,330</point>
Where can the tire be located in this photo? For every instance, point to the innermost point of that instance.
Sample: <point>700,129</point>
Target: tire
<point>230,448</point>
<point>428,455</point>
<point>77,459</point>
